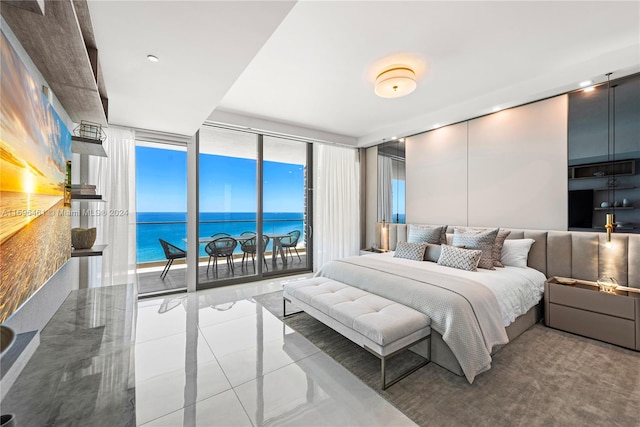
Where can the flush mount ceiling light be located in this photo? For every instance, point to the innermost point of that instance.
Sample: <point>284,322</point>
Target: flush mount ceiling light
<point>395,82</point>
<point>152,58</point>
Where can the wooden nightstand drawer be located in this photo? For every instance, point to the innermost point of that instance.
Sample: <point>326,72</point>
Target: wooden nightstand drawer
<point>598,302</point>
<point>593,325</point>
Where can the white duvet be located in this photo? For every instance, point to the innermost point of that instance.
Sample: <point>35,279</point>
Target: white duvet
<point>516,289</point>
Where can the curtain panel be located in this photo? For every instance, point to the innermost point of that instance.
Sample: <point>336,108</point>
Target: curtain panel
<point>336,208</point>
<point>115,179</point>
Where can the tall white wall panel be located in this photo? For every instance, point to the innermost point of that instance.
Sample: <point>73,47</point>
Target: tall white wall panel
<point>518,167</point>
<point>437,176</point>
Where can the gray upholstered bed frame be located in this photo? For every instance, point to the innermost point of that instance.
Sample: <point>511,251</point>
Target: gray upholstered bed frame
<point>580,255</point>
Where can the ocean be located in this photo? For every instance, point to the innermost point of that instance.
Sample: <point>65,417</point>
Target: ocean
<point>172,227</point>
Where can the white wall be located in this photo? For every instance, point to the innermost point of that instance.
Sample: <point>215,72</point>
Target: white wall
<point>508,169</point>
<point>437,176</point>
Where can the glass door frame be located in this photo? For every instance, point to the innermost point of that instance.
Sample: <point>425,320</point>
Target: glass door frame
<point>193,212</point>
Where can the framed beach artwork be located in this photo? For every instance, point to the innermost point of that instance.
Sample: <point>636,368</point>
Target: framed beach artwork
<point>35,224</point>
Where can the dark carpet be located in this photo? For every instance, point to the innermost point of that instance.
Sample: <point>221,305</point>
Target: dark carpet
<point>545,377</point>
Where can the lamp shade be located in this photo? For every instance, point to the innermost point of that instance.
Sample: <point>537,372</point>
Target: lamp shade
<point>395,82</point>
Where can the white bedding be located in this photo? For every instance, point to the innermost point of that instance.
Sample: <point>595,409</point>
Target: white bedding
<point>516,289</point>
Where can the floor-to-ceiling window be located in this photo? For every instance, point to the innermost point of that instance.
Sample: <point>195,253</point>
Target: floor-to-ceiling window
<point>161,219</point>
<point>286,203</point>
<point>253,206</point>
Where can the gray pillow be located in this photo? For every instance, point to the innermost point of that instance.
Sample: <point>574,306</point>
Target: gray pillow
<point>497,247</point>
<point>413,251</point>
<point>462,259</point>
<point>423,233</point>
<point>432,252</point>
<point>481,240</point>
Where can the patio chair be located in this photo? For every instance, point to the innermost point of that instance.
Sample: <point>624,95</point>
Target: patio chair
<point>290,242</point>
<point>171,252</point>
<point>248,247</point>
<point>221,247</point>
<point>215,236</point>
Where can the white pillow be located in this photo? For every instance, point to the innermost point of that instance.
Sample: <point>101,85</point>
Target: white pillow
<point>515,252</point>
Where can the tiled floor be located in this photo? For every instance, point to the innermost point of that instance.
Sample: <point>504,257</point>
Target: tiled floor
<point>217,357</point>
<point>149,278</point>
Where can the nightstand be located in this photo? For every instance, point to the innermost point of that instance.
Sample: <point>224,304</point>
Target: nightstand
<point>578,306</point>
<point>369,251</point>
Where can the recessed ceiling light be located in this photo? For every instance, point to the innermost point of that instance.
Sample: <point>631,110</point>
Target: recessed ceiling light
<point>585,83</point>
<point>589,89</point>
<point>496,109</point>
<point>401,140</point>
<point>437,125</point>
<point>393,138</point>
<point>152,58</point>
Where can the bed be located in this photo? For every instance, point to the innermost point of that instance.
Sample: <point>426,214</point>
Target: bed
<point>464,343</point>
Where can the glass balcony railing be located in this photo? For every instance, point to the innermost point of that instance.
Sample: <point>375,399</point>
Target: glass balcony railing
<point>175,232</point>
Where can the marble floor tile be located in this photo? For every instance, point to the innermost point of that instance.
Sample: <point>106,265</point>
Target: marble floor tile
<point>316,391</point>
<point>154,321</point>
<point>167,393</point>
<point>172,353</point>
<point>251,346</point>
<point>223,409</point>
<point>212,312</point>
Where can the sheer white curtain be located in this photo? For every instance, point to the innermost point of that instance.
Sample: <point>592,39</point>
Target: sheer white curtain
<point>336,208</point>
<point>385,190</point>
<point>115,179</point>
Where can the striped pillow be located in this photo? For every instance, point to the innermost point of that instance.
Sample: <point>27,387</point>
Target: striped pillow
<point>413,251</point>
<point>462,259</point>
<point>481,240</point>
<point>423,233</point>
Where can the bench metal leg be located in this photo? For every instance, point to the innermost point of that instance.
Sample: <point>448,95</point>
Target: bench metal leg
<point>383,364</point>
<point>284,308</point>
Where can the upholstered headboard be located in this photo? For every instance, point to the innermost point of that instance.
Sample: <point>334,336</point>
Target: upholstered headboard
<point>580,255</point>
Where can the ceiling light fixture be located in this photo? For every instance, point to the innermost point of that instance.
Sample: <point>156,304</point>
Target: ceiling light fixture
<point>496,109</point>
<point>152,58</point>
<point>588,89</point>
<point>395,82</point>
<point>585,83</point>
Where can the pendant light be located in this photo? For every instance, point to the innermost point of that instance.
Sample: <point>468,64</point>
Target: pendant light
<point>610,226</point>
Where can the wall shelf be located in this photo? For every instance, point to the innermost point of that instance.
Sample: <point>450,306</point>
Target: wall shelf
<point>603,170</point>
<point>96,250</point>
<point>618,208</point>
<point>91,147</point>
<point>56,44</point>
<point>88,197</point>
<point>615,188</point>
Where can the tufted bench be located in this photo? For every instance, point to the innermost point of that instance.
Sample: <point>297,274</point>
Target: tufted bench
<point>383,327</point>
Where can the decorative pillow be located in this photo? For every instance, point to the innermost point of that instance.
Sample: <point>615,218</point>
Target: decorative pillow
<point>423,233</point>
<point>481,240</point>
<point>414,251</point>
<point>432,252</point>
<point>515,252</point>
<point>463,259</point>
<point>497,247</point>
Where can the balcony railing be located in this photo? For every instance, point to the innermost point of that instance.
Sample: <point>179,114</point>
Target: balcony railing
<point>148,233</point>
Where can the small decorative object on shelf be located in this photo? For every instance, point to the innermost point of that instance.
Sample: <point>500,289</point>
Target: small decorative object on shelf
<point>83,238</point>
<point>607,284</point>
<point>617,203</point>
<point>90,130</point>
<point>613,182</point>
<point>626,203</point>
<point>604,204</point>
<point>67,186</point>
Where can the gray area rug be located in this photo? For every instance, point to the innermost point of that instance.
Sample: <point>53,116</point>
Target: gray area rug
<point>545,377</point>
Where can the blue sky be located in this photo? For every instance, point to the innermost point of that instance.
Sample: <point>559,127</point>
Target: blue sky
<point>227,184</point>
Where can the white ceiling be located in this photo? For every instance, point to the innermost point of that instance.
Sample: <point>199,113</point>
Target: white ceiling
<point>314,65</point>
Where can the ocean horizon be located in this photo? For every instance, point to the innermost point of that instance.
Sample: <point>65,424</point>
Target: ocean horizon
<point>172,227</point>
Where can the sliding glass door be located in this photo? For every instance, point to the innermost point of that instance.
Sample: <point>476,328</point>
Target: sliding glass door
<point>285,204</point>
<point>228,205</point>
<point>161,216</point>
<point>252,206</point>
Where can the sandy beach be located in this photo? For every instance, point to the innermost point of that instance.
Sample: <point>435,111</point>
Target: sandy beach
<point>31,255</point>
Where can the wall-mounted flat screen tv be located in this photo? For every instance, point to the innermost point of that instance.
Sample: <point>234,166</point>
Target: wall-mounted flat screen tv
<point>35,145</point>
